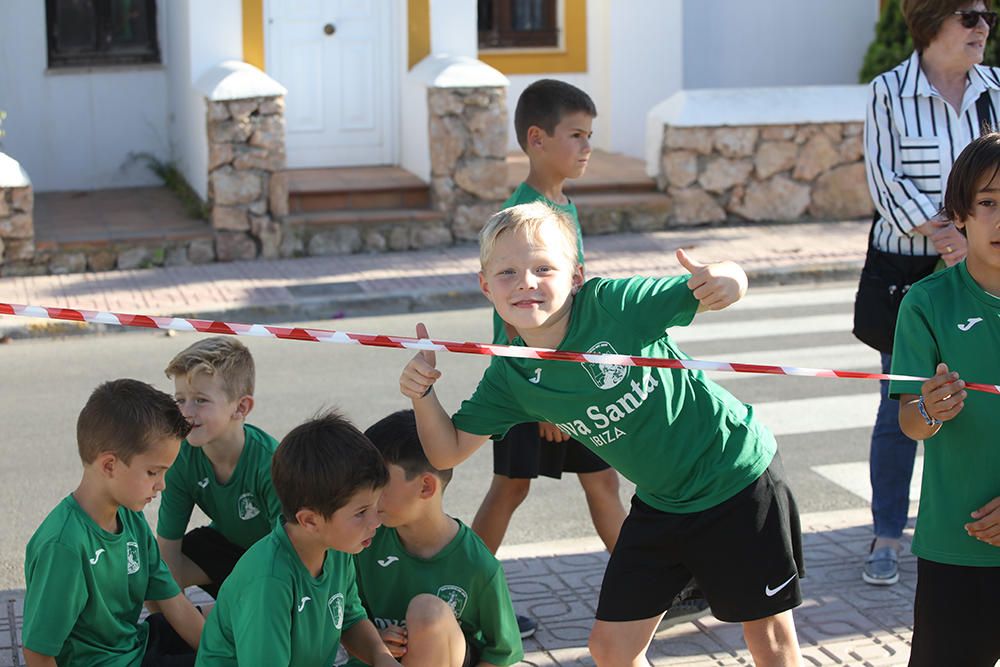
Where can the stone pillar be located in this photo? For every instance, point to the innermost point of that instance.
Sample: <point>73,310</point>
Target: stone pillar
<point>468,142</point>
<point>246,146</point>
<point>245,121</point>
<point>17,226</point>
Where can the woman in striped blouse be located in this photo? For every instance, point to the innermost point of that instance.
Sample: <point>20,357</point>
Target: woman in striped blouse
<point>921,114</point>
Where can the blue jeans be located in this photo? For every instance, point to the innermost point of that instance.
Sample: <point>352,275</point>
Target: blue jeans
<point>891,465</point>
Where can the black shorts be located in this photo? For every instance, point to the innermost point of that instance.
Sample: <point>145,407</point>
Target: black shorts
<point>745,552</point>
<point>164,647</point>
<point>522,454</point>
<point>471,655</point>
<point>213,553</point>
<point>956,615</point>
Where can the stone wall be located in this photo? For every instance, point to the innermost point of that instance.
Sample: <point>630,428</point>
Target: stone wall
<point>246,147</point>
<point>468,150</point>
<point>765,173</point>
<point>17,228</point>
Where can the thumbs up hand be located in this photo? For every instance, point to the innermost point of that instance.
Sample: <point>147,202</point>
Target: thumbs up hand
<point>420,374</point>
<point>716,286</point>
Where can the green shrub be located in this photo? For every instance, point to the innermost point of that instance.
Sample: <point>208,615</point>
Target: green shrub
<point>892,44</point>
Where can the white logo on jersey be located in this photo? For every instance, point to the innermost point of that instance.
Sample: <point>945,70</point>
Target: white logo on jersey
<point>132,555</point>
<point>605,376</point>
<point>97,557</point>
<point>246,506</point>
<point>973,321</point>
<point>203,482</point>
<point>302,603</point>
<point>336,606</point>
<point>387,561</point>
<point>455,597</point>
<point>537,378</point>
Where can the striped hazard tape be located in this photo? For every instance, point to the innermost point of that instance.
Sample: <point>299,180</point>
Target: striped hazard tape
<point>433,345</point>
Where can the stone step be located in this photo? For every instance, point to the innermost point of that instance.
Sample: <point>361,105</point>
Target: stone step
<point>340,232</point>
<point>615,212</point>
<point>354,188</point>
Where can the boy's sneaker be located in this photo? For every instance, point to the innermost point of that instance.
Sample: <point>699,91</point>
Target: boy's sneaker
<point>881,567</point>
<point>526,626</point>
<point>690,604</point>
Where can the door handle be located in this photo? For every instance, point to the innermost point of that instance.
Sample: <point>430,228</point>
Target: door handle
<point>329,29</point>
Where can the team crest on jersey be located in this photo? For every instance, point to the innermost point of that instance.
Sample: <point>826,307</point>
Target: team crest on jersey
<point>132,555</point>
<point>455,597</point>
<point>336,606</point>
<point>605,376</point>
<point>247,506</point>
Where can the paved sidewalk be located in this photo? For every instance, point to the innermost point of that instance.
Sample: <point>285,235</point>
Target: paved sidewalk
<point>324,287</point>
<point>842,620</point>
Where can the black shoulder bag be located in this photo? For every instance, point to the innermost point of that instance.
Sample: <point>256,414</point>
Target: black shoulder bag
<point>886,277</point>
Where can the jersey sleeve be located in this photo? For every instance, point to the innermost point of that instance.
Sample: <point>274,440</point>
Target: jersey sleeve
<point>502,639</point>
<point>492,409</point>
<point>176,504</point>
<point>648,306</point>
<point>262,626</point>
<point>161,584</point>
<point>54,600</point>
<point>915,350</point>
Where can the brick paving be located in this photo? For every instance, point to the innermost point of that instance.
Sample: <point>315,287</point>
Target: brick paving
<point>349,284</point>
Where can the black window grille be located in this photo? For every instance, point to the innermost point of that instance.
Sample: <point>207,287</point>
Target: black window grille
<point>87,33</point>
<point>517,23</point>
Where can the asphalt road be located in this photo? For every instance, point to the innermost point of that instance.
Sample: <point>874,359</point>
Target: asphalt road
<point>822,425</point>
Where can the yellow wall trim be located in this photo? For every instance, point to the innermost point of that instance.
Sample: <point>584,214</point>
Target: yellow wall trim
<point>418,23</point>
<point>572,58</point>
<point>253,33</point>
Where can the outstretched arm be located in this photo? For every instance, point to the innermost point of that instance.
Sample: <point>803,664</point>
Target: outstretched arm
<point>716,286</point>
<point>444,445</point>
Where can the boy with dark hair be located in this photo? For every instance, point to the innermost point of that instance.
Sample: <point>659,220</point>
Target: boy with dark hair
<point>706,471</point>
<point>948,327</point>
<point>292,598</point>
<point>93,561</point>
<point>553,122</point>
<point>437,595</point>
<point>224,466</point>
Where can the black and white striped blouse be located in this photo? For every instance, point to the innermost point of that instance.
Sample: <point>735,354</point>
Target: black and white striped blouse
<point>912,137</point>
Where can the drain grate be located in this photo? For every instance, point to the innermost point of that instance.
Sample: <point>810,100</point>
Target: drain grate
<point>315,290</point>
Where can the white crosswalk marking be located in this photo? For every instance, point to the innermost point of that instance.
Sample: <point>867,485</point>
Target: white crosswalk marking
<point>714,330</point>
<point>812,415</point>
<point>854,477</point>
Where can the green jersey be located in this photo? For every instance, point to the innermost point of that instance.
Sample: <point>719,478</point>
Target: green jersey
<point>947,317</point>
<point>525,194</point>
<point>243,510</point>
<point>86,586</point>
<point>271,610</point>
<point>464,574</point>
<point>685,442</point>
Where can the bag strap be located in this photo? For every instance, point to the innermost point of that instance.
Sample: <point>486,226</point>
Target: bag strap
<point>983,107</point>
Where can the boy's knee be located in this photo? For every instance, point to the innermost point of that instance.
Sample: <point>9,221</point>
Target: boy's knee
<point>602,646</point>
<point>513,490</point>
<point>600,483</point>
<point>428,613</point>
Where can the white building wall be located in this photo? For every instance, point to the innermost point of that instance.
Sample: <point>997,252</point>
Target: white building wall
<point>202,35</point>
<point>731,44</point>
<point>75,130</point>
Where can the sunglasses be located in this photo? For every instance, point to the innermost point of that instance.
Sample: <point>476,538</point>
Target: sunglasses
<point>970,18</point>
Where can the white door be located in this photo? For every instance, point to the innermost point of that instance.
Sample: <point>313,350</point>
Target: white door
<point>338,60</point>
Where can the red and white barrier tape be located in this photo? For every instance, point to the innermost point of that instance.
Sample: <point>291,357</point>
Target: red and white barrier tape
<point>432,345</point>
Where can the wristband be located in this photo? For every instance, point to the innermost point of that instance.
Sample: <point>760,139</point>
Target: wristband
<point>931,421</point>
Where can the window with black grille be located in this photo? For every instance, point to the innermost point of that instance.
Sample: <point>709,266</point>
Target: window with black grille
<point>517,23</point>
<point>90,33</point>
